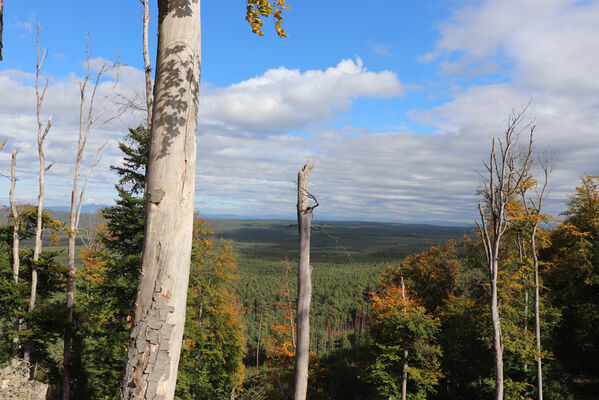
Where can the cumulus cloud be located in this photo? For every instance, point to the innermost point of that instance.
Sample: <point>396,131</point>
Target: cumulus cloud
<point>285,99</point>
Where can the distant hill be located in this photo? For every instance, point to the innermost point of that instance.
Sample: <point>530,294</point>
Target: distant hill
<point>334,240</point>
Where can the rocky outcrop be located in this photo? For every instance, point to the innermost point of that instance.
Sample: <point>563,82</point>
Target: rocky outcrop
<point>15,384</point>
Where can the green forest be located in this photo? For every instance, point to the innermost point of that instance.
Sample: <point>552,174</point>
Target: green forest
<point>388,300</point>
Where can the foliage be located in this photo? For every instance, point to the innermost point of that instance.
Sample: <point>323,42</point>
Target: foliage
<point>211,364</point>
<point>573,278</point>
<point>400,324</point>
<point>259,9</point>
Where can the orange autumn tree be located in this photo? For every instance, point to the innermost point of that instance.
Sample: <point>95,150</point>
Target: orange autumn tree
<point>213,348</point>
<point>406,356</point>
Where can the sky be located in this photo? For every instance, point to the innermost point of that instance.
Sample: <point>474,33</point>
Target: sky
<point>395,102</point>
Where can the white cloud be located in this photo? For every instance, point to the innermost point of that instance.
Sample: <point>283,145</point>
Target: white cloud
<point>545,44</point>
<point>284,99</point>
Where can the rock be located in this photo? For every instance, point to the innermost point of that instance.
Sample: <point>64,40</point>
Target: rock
<point>15,383</point>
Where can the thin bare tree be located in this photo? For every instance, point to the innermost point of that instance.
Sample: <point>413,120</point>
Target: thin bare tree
<point>404,377</point>
<point>304,282</point>
<point>15,246</point>
<point>157,329</point>
<point>90,120</point>
<point>42,133</point>
<point>147,64</point>
<point>506,168</point>
<point>533,206</point>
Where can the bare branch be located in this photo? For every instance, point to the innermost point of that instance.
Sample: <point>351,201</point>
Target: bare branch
<point>95,161</point>
<point>338,245</point>
<point>50,165</point>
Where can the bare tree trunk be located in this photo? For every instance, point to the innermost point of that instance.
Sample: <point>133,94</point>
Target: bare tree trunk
<point>89,121</point>
<point>404,378</point>
<point>497,334</point>
<point>15,245</point>
<point>534,207</point>
<point>537,316</point>
<point>157,331</point>
<point>147,65</point>
<point>304,283</point>
<point>41,137</point>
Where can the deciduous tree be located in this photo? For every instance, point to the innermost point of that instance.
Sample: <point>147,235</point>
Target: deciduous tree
<point>506,168</point>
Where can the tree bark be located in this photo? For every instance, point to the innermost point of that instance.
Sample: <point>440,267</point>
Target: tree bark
<point>15,245</point>
<point>304,284</point>
<point>157,331</point>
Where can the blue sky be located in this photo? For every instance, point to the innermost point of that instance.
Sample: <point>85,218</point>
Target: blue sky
<point>394,101</point>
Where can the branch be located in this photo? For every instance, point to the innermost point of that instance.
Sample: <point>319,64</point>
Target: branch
<point>94,162</point>
<point>338,244</point>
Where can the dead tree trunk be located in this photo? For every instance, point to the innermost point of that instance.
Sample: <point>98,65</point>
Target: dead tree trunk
<point>157,331</point>
<point>533,207</point>
<point>404,378</point>
<point>506,170</point>
<point>304,283</point>
<point>147,65</point>
<point>41,137</point>
<point>15,245</point>
<point>537,317</point>
<point>90,119</point>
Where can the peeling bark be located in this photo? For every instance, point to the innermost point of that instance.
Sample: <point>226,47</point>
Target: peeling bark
<point>156,335</point>
<point>304,283</point>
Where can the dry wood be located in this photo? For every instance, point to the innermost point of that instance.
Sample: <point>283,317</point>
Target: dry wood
<point>147,64</point>
<point>304,283</point>
<point>15,244</point>
<point>153,354</point>
<point>42,133</point>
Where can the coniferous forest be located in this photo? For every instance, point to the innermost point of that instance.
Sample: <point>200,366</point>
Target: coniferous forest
<point>148,298</point>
